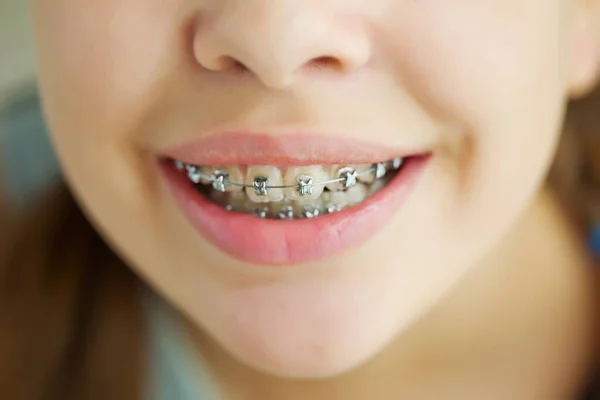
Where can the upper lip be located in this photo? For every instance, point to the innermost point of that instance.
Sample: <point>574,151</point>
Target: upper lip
<point>248,148</point>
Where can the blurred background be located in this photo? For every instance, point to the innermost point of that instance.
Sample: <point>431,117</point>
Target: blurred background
<point>26,160</point>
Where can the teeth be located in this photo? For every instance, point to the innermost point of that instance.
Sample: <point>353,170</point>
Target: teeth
<point>219,197</point>
<point>306,201</point>
<point>235,175</point>
<point>350,197</point>
<point>194,173</point>
<point>204,174</point>
<point>332,208</point>
<point>397,162</point>
<point>265,192</point>
<point>285,212</point>
<point>302,204</point>
<point>259,178</point>
<point>220,181</point>
<point>310,212</point>
<point>356,194</point>
<point>180,165</point>
<point>376,186</point>
<point>348,175</point>
<point>304,178</point>
<point>380,170</point>
<point>238,201</point>
<point>363,175</point>
<point>261,212</point>
<point>333,173</point>
<point>219,175</point>
<point>347,172</point>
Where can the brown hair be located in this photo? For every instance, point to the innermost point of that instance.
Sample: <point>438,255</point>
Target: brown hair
<point>70,324</point>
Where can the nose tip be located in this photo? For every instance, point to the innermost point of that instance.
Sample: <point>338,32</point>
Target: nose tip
<point>280,43</point>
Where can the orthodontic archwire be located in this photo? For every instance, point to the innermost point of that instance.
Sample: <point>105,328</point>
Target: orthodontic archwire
<point>347,176</point>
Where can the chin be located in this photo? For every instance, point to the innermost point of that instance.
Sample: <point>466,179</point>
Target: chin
<point>308,358</point>
<point>292,332</point>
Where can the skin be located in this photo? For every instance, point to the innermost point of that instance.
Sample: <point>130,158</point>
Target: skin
<point>482,84</point>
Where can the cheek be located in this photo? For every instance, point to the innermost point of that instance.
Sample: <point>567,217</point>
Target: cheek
<point>499,75</point>
<point>101,69</point>
<point>474,63</point>
<point>102,66</point>
<point>101,62</point>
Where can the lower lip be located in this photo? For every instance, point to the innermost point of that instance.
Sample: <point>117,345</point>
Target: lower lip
<point>285,243</point>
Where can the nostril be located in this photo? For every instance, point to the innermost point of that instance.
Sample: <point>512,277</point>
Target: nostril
<point>227,64</point>
<point>325,62</point>
<point>239,68</point>
<point>230,64</point>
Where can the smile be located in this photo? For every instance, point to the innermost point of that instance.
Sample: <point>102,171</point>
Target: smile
<point>292,210</point>
<point>291,192</point>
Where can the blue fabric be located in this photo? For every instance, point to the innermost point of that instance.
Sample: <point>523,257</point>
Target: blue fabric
<point>176,370</point>
<point>595,240</point>
<point>28,162</point>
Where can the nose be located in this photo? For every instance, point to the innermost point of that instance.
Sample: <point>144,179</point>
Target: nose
<point>278,40</point>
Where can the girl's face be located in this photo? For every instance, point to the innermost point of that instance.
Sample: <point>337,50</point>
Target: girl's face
<point>468,94</point>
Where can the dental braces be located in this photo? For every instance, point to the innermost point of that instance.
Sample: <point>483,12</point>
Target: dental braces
<point>287,212</point>
<point>347,176</point>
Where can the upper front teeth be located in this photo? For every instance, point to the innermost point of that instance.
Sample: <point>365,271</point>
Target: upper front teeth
<point>303,182</point>
<point>264,184</point>
<point>260,185</point>
<point>305,185</point>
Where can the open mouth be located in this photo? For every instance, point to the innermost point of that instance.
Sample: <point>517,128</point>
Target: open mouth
<point>289,193</point>
<point>276,201</point>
